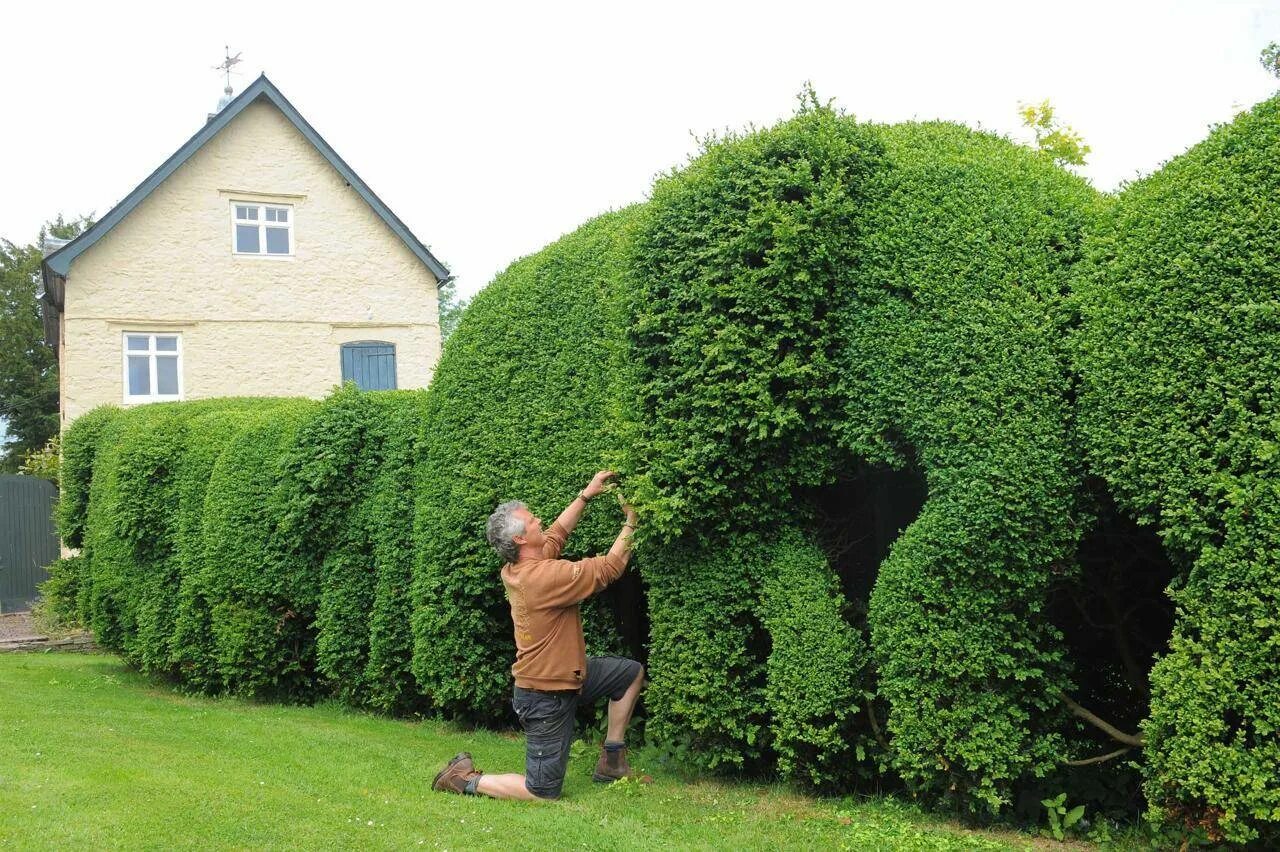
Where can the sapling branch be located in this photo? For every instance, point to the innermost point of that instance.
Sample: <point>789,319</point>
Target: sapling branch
<point>875,726</point>
<point>1133,740</point>
<point>1102,758</point>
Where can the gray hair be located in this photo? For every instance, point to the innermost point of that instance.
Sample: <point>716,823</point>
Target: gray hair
<point>503,526</point>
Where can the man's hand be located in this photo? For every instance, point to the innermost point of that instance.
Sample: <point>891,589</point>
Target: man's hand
<point>622,544</point>
<point>598,484</point>
<point>627,510</point>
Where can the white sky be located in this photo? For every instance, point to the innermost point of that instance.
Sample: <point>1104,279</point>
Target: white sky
<point>491,129</point>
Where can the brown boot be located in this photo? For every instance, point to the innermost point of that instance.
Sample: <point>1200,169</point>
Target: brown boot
<point>455,775</point>
<point>612,766</point>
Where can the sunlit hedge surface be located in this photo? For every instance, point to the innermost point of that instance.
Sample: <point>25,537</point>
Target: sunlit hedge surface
<point>845,378</point>
<point>1179,358</point>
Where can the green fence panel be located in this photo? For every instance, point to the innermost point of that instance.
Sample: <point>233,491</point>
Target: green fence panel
<point>28,540</point>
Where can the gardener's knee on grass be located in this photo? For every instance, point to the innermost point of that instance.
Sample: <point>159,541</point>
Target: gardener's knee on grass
<point>546,794</point>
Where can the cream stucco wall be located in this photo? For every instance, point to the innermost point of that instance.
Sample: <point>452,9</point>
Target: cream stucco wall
<point>249,325</point>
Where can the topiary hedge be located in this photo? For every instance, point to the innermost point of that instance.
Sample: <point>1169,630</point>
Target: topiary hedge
<point>792,318</point>
<point>522,406</point>
<point>824,292</point>
<point>227,540</point>
<point>737,266</point>
<point>80,444</point>
<point>1179,411</point>
<point>952,361</point>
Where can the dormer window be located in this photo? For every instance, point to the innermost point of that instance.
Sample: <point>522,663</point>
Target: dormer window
<point>262,230</point>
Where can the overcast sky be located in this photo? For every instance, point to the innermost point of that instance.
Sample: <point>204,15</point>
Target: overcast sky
<point>492,129</point>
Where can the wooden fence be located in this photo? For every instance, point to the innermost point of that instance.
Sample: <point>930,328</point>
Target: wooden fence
<point>28,540</point>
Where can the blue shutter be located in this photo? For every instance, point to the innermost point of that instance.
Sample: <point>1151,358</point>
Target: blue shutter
<point>371,365</point>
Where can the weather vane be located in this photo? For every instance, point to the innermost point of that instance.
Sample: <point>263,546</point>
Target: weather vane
<point>227,64</point>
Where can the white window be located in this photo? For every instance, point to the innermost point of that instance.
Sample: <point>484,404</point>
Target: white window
<point>262,230</point>
<point>152,367</point>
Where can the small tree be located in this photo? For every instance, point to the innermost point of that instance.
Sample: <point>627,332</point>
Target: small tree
<point>451,308</point>
<point>1062,143</point>
<point>1270,59</point>
<point>44,462</point>
<point>28,366</point>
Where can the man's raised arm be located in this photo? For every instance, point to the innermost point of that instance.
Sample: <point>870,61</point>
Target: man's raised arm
<point>573,512</point>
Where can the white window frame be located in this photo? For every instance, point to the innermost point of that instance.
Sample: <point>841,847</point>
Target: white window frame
<point>262,223</point>
<point>151,352</point>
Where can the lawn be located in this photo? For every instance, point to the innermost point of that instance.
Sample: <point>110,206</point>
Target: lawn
<point>94,756</point>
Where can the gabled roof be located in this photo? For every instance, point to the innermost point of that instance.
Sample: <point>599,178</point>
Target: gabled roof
<point>59,262</point>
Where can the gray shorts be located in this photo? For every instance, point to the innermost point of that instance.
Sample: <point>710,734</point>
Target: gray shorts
<point>547,720</point>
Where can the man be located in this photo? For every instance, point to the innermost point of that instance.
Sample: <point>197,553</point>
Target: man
<point>552,672</point>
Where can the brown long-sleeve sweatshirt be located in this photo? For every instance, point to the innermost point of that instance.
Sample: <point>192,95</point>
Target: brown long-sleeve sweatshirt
<point>544,595</point>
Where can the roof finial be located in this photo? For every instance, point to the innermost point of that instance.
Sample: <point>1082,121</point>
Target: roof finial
<point>226,66</point>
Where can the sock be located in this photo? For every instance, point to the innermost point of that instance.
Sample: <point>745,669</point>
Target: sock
<point>610,745</point>
<point>470,789</point>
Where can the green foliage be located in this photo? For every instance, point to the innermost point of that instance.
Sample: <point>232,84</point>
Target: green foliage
<point>359,454</point>
<point>1061,819</point>
<point>737,266</point>
<point>952,362</point>
<point>261,589</point>
<point>895,292</point>
<point>28,365</point>
<point>80,446</point>
<point>1270,59</point>
<point>1061,143</point>
<point>451,309</point>
<point>57,609</point>
<point>44,462</point>
<point>796,305</point>
<point>1179,412</point>
<point>388,680</point>
<point>521,407</point>
<point>817,685</point>
<point>708,678</point>
<point>143,518</point>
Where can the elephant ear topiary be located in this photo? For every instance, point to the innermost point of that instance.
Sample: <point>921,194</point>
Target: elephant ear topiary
<point>824,293</point>
<point>738,263</point>
<point>1179,354</point>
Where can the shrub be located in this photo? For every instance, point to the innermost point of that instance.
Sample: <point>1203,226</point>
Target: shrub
<point>388,680</point>
<point>894,293</point>
<point>952,361</point>
<point>56,611</point>
<point>138,545</point>
<point>80,445</point>
<point>522,406</point>
<point>210,427</point>
<point>262,591</point>
<point>1179,413</point>
<point>359,451</point>
<point>817,688</point>
<point>44,462</point>
<point>795,307</point>
<point>228,540</point>
<point>737,265</point>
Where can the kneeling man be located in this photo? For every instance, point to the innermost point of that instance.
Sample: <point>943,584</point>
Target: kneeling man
<point>552,672</point>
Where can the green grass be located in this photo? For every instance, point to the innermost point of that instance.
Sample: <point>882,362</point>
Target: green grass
<point>93,755</point>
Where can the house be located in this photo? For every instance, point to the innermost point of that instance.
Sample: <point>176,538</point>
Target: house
<point>252,262</point>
